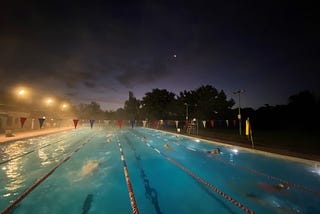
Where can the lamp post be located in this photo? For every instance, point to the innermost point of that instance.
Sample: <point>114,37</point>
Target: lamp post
<point>187,111</point>
<point>239,115</point>
<point>197,117</point>
<point>187,116</point>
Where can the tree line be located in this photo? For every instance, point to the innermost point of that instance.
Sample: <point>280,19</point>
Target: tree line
<point>207,103</point>
<point>203,103</point>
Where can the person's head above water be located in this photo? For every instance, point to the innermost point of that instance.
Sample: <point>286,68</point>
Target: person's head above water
<point>215,151</point>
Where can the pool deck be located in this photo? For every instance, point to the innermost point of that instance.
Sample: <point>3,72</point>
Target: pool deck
<point>31,133</point>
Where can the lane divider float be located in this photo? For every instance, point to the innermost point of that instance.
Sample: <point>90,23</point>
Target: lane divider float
<point>268,176</point>
<point>215,189</point>
<point>39,181</point>
<point>24,154</point>
<point>290,184</point>
<point>129,185</point>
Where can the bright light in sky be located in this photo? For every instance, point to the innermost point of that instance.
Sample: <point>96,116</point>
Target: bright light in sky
<point>21,92</point>
<point>49,101</point>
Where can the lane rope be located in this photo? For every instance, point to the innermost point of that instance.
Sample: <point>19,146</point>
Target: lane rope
<point>19,156</point>
<point>261,173</point>
<point>40,180</point>
<point>215,189</point>
<point>129,185</point>
<point>29,152</point>
<point>290,184</point>
<point>268,176</point>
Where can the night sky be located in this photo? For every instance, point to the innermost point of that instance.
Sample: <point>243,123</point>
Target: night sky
<point>100,50</point>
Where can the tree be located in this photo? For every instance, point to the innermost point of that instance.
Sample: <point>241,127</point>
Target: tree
<point>132,107</point>
<point>158,104</point>
<point>207,102</point>
<point>90,111</point>
<point>303,109</point>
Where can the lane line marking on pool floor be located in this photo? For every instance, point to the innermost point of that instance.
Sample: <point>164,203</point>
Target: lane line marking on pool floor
<point>290,184</point>
<point>128,181</point>
<point>40,180</point>
<point>29,152</point>
<point>215,189</point>
<point>268,176</point>
<point>255,151</point>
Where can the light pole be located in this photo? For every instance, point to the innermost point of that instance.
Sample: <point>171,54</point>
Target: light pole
<point>197,117</point>
<point>239,115</point>
<point>187,111</point>
<point>187,120</point>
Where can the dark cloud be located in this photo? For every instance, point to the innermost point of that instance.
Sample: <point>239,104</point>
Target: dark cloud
<point>143,73</point>
<point>108,47</point>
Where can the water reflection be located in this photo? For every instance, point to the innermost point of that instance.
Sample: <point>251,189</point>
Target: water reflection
<point>13,173</point>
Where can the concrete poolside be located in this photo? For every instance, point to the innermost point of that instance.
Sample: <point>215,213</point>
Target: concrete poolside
<point>307,154</point>
<point>31,133</point>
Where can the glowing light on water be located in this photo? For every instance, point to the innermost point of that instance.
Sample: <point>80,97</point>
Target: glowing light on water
<point>316,168</point>
<point>235,151</point>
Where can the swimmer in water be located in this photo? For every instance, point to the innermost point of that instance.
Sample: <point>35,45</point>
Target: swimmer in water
<point>275,188</point>
<point>215,151</point>
<point>167,147</point>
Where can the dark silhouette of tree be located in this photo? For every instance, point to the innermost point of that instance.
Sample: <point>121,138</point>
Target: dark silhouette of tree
<point>301,112</point>
<point>303,109</point>
<point>90,111</point>
<point>132,107</point>
<point>158,104</point>
<point>206,102</point>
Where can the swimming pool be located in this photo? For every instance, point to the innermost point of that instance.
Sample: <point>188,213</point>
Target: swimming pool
<point>88,175</point>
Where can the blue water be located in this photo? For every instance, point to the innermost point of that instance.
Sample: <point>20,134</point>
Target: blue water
<point>93,180</point>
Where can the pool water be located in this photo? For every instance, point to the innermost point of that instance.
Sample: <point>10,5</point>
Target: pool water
<point>88,175</point>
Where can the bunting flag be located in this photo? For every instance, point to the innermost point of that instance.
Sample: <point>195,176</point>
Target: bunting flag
<point>177,123</point>
<point>234,123</point>
<point>132,122</point>
<point>144,122</point>
<point>41,120</point>
<point>91,123</point>
<point>212,123</point>
<point>227,122</point>
<point>75,123</point>
<point>22,120</point>
<point>204,123</point>
<point>155,124</point>
<point>120,123</point>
